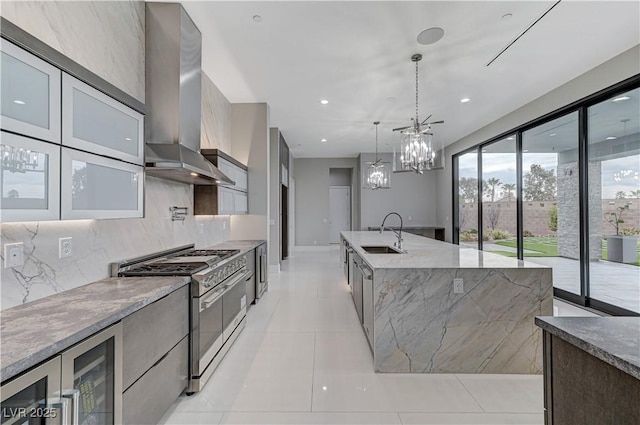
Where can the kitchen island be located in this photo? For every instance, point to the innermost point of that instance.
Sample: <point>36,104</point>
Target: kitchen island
<point>420,325</point>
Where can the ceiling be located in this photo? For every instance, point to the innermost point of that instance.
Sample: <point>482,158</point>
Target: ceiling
<point>357,56</point>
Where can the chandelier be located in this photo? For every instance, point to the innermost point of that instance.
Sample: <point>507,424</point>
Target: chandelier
<point>417,151</point>
<point>376,174</point>
<point>18,160</point>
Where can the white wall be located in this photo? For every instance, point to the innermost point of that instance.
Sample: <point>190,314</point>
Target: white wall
<point>611,72</point>
<point>411,195</point>
<point>112,46</point>
<point>312,198</point>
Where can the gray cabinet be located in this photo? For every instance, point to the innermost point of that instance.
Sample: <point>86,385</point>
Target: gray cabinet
<point>356,289</point>
<point>155,356</point>
<point>367,303</point>
<point>29,179</point>
<point>223,200</point>
<point>30,94</point>
<point>95,122</point>
<point>97,187</point>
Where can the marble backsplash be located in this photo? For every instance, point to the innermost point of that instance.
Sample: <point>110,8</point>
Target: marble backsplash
<point>97,243</point>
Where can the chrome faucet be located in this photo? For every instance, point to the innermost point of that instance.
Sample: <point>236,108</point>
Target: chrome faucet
<point>398,234</point>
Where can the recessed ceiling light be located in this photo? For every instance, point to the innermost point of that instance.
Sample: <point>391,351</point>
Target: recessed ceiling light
<point>621,98</point>
<point>484,150</point>
<point>324,101</point>
<point>526,150</point>
<point>257,18</point>
<point>507,16</point>
<point>323,140</point>
<point>128,139</point>
<point>611,138</point>
<point>552,134</point>
<point>510,138</point>
<point>19,102</point>
<point>464,100</point>
<point>194,174</point>
<point>430,35</point>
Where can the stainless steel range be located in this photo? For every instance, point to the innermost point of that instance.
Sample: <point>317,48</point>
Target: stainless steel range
<point>218,299</point>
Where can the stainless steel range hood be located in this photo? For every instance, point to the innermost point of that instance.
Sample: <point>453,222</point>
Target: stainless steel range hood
<point>173,84</point>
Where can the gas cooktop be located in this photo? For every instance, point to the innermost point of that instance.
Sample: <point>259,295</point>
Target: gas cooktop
<point>166,269</point>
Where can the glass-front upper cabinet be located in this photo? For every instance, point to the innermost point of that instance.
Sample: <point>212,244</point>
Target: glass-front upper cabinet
<point>30,101</point>
<point>29,179</point>
<point>94,122</point>
<point>98,187</point>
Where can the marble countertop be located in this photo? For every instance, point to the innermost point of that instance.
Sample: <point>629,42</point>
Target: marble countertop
<point>425,253</point>
<point>33,332</point>
<point>614,340</point>
<point>242,245</point>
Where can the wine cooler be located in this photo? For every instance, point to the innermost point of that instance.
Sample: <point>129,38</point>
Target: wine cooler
<point>82,386</point>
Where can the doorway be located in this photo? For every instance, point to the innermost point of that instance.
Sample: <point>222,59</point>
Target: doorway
<point>339,211</point>
<point>284,222</point>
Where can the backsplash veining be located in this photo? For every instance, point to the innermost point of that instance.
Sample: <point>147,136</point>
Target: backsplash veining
<point>97,243</point>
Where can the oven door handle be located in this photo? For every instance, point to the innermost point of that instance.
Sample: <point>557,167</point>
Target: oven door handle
<point>238,279</point>
<point>211,299</point>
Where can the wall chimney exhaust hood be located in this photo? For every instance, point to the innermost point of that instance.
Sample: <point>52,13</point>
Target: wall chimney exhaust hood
<point>173,84</point>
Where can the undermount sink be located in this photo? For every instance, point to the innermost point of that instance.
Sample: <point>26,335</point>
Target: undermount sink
<point>381,250</point>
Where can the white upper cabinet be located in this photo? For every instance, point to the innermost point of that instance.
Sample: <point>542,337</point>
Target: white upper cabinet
<point>95,122</point>
<point>30,101</point>
<point>29,179</point>
<point>97,187</point>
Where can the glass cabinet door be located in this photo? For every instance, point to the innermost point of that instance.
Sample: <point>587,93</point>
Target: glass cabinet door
<point>30,94</point>
<point>93,369</point>
<point>94,122</point>
<point>98,187</point>
<point>25,400</point>
<point>29,179</point>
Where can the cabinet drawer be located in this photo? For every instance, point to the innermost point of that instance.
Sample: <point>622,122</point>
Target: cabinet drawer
<point>97,187</point>
<point>30,94</point>
<point>95,122</point>
<point>149,333</point>
<point>146,401</point>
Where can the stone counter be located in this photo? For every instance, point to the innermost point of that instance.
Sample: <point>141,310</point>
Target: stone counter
<point>591,370</point>
<point>422,326</point>
<point>33,332</point>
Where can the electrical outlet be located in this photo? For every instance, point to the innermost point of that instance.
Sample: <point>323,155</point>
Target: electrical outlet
<point>458,285</point>
<point>65,247</point>
<point>13,255</point>
<point>409,218</point>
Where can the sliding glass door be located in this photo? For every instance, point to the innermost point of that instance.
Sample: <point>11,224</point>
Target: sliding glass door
<point>563,191</point>
<point>614,200</point>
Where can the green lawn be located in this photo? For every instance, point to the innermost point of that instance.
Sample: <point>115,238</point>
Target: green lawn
<point>546,247</point>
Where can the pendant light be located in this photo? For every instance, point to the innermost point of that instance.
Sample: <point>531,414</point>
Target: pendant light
<point>417,151</point>
<point>376,174</point>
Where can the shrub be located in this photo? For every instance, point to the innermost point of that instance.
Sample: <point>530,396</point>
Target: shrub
<point>498,234</point>
<point>629,231</point>
<point>527,234</point>
<point>552,223</point>
<point>466,236</point>
<point>473,231</point>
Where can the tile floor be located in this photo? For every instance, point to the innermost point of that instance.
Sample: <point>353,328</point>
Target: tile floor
<point>303,359</point>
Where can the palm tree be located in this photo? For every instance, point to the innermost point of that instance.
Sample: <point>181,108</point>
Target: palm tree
<point>507,190</point>
<point>492,183</point>
<point>636,193</point>
<point>621,195</point>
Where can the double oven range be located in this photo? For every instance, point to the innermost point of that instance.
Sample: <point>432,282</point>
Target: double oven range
<point>218,299</point>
